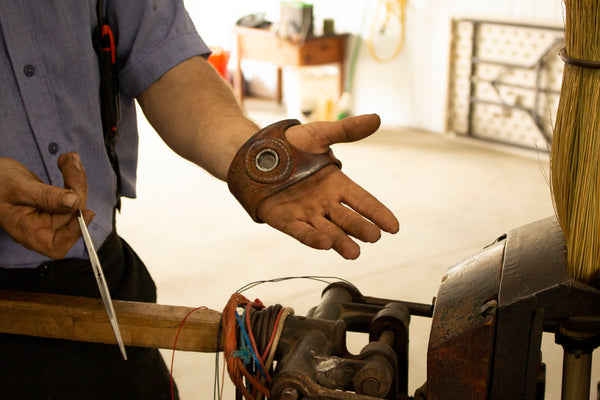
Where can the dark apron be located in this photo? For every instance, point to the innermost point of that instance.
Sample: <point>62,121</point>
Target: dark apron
<point>38,368</point>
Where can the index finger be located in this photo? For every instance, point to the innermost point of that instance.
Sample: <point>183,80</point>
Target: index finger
<point>316,137</point>
<point>368,206</point>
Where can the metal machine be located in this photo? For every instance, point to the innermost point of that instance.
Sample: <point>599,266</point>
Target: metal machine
<point>486,331</point>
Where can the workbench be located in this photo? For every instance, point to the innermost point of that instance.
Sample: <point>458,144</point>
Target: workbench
<point>266,46</point>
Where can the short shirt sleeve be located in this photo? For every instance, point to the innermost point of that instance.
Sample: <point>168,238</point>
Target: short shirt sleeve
<point>153,36</point>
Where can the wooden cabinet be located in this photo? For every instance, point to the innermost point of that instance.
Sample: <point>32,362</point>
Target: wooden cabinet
<point>264,45</point>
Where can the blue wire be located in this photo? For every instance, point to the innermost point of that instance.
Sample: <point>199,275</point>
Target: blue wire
<point>248,344</point>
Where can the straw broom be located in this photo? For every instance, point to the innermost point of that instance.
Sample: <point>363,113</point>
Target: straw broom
<point>575,159</point>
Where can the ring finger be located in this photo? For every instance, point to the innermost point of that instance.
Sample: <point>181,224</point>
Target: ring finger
<point>354,224</point>
<point>342,243</point>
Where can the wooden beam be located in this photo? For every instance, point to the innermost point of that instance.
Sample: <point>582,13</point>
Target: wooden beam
<point>85,319</point>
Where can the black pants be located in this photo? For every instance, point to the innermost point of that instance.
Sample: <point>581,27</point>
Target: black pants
<point>38,368</point>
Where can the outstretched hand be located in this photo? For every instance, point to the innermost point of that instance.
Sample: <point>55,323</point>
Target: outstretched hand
<point>325,210</point>
<point>39,216</point>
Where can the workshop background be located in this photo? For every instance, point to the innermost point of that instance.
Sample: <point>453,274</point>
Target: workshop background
<point>456,175</point>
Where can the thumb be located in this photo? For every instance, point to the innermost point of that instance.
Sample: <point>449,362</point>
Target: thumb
<point>74,175</point>
<point>316,137</point>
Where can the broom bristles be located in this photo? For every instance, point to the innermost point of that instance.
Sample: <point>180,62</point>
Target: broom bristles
<point>575,162</point>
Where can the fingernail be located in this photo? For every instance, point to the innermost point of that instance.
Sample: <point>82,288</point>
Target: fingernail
<point>77,162</point>
<point>69,200</point>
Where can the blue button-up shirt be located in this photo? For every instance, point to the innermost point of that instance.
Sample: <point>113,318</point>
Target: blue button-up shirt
<point>49,102</point>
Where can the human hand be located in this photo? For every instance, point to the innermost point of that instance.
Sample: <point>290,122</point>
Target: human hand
<point>326,209</point>
<point>39,216</point>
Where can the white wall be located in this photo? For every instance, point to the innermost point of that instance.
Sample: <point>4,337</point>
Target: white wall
<point>411,89</point>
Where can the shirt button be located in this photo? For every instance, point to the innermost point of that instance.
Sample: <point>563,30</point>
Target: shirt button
<point>29,70</point>
<point>53,148</point>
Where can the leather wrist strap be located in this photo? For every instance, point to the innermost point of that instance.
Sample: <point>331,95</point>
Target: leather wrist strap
<point>267,163</point>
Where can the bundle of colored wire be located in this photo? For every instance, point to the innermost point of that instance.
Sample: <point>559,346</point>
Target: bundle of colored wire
<point>234,355</point>
<point>235,363</point>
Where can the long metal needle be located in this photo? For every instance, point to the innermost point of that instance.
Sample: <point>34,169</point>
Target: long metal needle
<point>101,282</point>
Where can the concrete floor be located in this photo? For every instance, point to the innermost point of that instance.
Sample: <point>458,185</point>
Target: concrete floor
<point>451,195</point>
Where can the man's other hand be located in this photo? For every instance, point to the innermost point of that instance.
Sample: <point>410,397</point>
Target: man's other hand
<point>39,216</point>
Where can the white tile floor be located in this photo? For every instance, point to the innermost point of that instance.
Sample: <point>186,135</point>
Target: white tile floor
<point>451,195</point>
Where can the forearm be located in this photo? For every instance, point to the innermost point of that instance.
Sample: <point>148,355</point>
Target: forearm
<point>196,114</point>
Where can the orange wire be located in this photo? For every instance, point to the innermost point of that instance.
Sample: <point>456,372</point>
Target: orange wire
<point>235,366</point>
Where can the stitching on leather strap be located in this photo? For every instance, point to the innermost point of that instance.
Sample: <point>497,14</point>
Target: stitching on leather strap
<point>267,163</point>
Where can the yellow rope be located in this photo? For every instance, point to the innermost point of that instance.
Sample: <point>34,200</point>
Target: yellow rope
<point>394,10</point>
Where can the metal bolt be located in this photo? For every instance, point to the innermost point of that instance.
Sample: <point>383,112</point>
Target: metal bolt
<point>489,307</point>
<point>289,394</point>
<point>267,160</point>
<point>370,386</point>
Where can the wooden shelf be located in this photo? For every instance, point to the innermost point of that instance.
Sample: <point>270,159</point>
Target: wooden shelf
<point>264,45</point>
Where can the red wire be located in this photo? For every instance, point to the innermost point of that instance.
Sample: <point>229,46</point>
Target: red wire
<point>263,358</point>
<point>175,346</point>
<point>235,366</point>
<point>266,353</point>
<point>256,305</point>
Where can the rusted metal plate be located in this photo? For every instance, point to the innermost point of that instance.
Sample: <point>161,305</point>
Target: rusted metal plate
<point>462,333</point>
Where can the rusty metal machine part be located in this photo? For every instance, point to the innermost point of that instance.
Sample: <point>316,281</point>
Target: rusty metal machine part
<point>490,314</point>
<point>267,163</point>
<point>461,343</point>
<point>313,361</point>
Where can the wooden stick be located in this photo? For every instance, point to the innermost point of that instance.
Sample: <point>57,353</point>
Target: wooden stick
<point>85,319</point>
